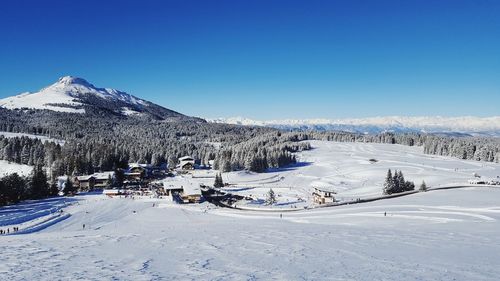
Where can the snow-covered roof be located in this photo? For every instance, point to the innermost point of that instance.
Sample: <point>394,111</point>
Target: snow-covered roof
<point>139,165</point>
<point>170,186</point>
<point>188,187</point>
<point>84,178</point>
<point>186,158</point>
<point>97,176</point>
<point>191,189</point>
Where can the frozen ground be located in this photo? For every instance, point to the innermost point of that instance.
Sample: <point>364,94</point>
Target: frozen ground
<point>441,235</point>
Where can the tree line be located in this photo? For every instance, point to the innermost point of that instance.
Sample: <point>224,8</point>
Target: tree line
<point>15,188</point>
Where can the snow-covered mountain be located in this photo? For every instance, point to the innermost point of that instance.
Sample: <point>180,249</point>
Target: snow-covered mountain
<point>469,125</point>
<point>76,95</point>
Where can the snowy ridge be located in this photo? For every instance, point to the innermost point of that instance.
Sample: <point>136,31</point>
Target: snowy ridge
<point>66,96</point>
<point>466,124</point>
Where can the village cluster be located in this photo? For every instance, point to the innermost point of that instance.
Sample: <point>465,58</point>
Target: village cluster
<point>143,180</point>
<point>184,183</point>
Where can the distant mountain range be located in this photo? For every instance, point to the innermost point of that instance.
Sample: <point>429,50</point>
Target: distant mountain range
<point>75,95</point>
<point>457,126</point>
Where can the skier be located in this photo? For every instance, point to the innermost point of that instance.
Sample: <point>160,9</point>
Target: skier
<point>83,226</point>
<point>385,214</point>
<point>281,216</point>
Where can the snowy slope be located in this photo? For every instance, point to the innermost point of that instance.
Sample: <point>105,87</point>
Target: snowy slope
<point>442,235</point>
<point>467,124</point>
<point>10,168</point>
<point>346,168</point>
<point>64,95</point>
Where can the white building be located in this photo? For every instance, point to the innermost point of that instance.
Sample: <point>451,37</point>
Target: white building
<point>323,195</point>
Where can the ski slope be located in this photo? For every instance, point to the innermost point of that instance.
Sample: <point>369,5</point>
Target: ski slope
<point>441,235</point>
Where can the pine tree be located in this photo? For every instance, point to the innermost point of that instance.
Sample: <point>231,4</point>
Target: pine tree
<point>218,181</point>
<point>39,187</point>
<point>119,177</point>
<point>53,189</point>
<point>13,188</point>
<point>271,197</point>
<point>109,182</point>
<point>69,188</point>
<point>389,183</point>
<point>409,185</point>
<point>401,182</point>
<point>423,186</point>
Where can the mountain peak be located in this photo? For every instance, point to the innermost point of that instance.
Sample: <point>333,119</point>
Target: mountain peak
<point>72,80</point>
<point>74,95</point>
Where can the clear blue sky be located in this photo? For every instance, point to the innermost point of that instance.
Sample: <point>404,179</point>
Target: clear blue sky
<point>264,59</point>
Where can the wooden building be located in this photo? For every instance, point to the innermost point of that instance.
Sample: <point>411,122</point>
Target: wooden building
<point>96,180</point>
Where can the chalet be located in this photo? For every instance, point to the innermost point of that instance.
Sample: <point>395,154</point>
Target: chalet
<point>182,190</point>
<point>85,182</point>
<point>133,176</point>
<point>191,193</point>
<point>186,163</point>
<point>137,172</point>
<point>323,195</point>
<point>96,180</point>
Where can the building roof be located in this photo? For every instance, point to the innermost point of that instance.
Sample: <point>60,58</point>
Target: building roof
<point>97,176</point>
<point>188,187</point>
<point>186,158</point>
<point>139,165</point>
<point>192,189</point>
<point>170,186</point>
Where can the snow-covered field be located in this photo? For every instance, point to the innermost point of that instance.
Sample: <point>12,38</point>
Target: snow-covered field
<point>346,168</point>
<point>10,168</point>
<point>440,235</point>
